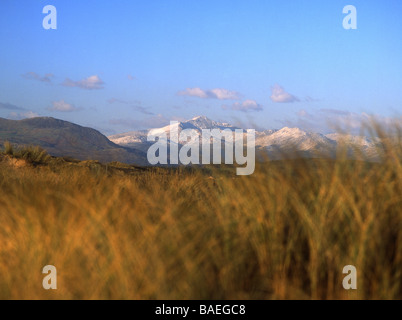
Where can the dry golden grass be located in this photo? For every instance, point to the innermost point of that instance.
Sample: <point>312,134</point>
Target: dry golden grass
<point>285,232</point>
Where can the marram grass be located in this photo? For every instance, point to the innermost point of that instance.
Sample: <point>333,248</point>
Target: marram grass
<point>285,232</point>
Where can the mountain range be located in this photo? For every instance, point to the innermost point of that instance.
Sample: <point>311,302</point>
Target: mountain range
<point>273,142</point>
<point>63,138</point>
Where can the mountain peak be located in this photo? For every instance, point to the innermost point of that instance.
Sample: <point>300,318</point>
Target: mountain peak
<point>200,118</point>
<point>292,131</point>
<point>203,122</point>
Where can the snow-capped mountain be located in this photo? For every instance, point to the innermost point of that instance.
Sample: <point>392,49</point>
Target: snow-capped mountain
<point>202,122</point>
<point>356,145</point>
<point>294,138</point>
<point>360,141</point>
<point>197,124</point>
<point>129,139</point>
<point>138,139</point>
<point>274,142</point>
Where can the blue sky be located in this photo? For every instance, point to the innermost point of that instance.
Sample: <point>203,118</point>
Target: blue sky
<point>124,65</point>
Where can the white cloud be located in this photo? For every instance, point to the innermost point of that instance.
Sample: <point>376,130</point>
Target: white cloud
<point>194,92</point>
<point>279,95</point>
<point>220,94</point>
<point>23,115</point>
<point>90,83</point>
<point>62,106</point>
<point>223,94</point>
<point>245,106</point>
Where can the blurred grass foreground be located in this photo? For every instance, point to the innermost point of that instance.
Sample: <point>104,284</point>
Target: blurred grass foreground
<point>120,232</point>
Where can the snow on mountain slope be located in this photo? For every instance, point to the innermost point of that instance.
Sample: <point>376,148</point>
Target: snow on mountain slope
<point>134,138</point>
<point>285,139</point>
<point>360,141</point>
<point>125,139</point>
<point>294,138</point>
<point>360,147</point>
<point>197,123</point>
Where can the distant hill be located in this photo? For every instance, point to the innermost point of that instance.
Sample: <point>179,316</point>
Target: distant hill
<point>66,139</point>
